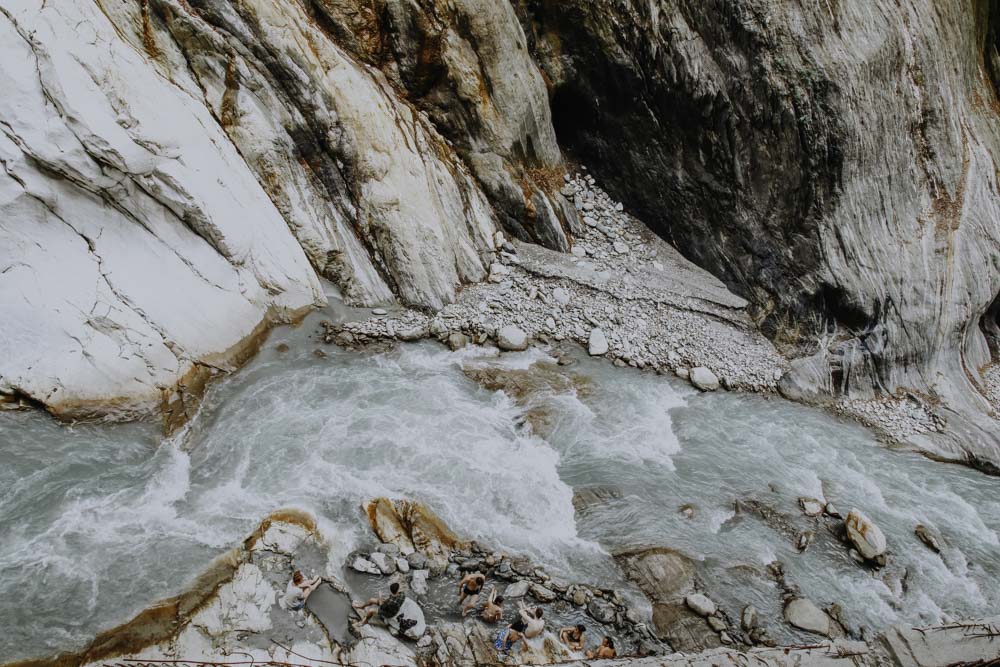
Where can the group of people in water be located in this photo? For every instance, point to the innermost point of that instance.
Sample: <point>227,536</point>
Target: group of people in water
<point>529,624</point>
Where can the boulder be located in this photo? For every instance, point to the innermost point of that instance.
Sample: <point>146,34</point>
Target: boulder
<point>928,537</point>
<point>410,611</point>
<point>418,581</point>
<point>749,618</point>
<point>811,506</point>
<point>457,340</point>
<point>700,604</point>
<point>866,537</point>
<point>541,593</point>
<point>365,566</point>
<point>417,560</point>
<point>412,526</point>
<point>597,344</point>
<point>512,339</point>
<point>518,589</point>
<point>704,379</point>
<point>384,564</point>
<point>662,574</point>
<point>805,615</point>
<point>402,564</point>
<point>601,611</point>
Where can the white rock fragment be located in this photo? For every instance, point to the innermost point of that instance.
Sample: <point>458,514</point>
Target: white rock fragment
<point>597,345</point>
<point>700,604</point>
<point>704,379</point>
<point>512,339</point>
<point>805,615</point>
<point>811,506</point>
<point>866,537</point>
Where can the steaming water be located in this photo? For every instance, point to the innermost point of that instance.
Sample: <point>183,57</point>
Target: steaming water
<point>97,521</point>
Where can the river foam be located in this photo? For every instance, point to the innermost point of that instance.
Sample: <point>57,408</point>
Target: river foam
<point>101,520</point>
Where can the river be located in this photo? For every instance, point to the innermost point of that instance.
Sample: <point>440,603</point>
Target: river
<point>100,520</point>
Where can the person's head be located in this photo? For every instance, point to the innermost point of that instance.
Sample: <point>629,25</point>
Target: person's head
<point>538,612</point>
<point>608,642</point>
<point>297,577</point>
<point>498,601</point>
<point>479,576</point>
<point>394,587</point>
<point>580,629</point>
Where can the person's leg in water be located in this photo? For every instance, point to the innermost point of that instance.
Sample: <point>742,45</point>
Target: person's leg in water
<point>470,603</point>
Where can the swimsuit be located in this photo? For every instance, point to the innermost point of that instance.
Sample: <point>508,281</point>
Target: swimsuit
<point>501,644</point>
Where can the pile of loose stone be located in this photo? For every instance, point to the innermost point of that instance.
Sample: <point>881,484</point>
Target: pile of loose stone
<point>991,382</point>
<point>624,322</point>
<point>605,606</point>
<point>897,418</point>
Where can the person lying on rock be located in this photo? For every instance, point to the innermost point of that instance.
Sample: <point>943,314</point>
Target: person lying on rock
<point>299,590</point>
<point>493,609</point>
<point>605,651</point>
<point>385,607</point>
<point>469,589</point>
<point>573,637</point>
<point>533,621</point>
<point>509,636</point>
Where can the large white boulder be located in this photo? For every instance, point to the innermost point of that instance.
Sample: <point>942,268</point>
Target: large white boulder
<point>805,615</point>
<point>703,379</point>
<point>512,338</point>
<point>597,345</point>
<point>866,537</point>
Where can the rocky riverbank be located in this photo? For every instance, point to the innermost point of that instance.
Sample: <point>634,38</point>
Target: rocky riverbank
<point>234,609</point>
<point>624,294</point>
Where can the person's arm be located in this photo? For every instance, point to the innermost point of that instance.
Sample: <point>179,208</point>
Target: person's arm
<point>526,617</point>
<point>564,636</point>
<point>463,581</point>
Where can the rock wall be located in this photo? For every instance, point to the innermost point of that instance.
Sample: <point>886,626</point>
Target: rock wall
<point>178,176</point>
<point>833,162</point>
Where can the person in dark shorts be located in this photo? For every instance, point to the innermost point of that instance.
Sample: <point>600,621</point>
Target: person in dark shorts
<point>469,589</point>
<point>385,607</point>
<point>509,636</point>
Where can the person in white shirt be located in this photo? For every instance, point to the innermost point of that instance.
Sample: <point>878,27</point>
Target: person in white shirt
<point>298,590</point>
<point>534,625</point>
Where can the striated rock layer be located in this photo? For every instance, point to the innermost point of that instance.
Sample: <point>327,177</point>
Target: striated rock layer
<point>834,162</point>
<point>178,175</point>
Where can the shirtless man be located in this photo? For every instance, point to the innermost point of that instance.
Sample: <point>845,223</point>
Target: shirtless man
<point>573,637</point>
<point>534,625</point>
<point>469,589</point>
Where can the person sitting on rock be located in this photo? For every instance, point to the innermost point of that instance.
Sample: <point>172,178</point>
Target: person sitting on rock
<point>573,637</point>
<point>534,625</point>
<point>493,609</point>
<point>509,636</point>
<point>385,607</point>
<point>605,651</point>
<point>299,590</point>
<point>469,589</point>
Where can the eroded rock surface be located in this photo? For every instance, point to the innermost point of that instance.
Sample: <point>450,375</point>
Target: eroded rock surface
<point>834,163</point>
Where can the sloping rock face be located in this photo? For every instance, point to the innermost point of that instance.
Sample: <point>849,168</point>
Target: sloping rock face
<point>135,244</point>
<point>834,162</point>
<point>178,175</point>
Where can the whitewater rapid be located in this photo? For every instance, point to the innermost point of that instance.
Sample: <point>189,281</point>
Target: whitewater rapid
<point>101,520</point>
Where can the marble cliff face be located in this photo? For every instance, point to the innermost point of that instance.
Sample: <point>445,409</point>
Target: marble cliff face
<point>179,175</point>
